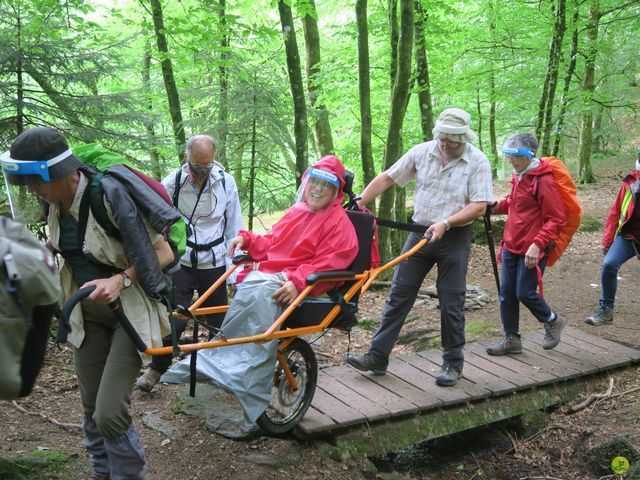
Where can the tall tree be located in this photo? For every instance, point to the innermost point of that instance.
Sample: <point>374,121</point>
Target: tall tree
<point>364,92</point>
<point>422,74</point>
<point>492,91</point>
<point>223,80</point>
<point>169,80</point>
<point>547,97</point>
<point>151,140</point>
<point>297,89</point>
<point>398,106</point>
<point>321,126</point>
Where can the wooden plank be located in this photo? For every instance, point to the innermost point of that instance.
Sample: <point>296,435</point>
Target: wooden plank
<point>396,384</point>
<point>479,361</point>
<point>599,350</point>
<point>611,345</point>
<point>566,347</point>
<point>363,385</point>
<point>476,390</point>
<point>369,410</point>
<point>514,364</point>
<point>432,394</point>
<point>338,411</point>
<point>425,373</point>
<point>315,422</point>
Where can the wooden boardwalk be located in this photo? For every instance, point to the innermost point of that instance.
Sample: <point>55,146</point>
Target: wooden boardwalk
<point>346,398</point>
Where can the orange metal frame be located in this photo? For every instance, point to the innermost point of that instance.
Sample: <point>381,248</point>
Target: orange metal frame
<point>362,282</point>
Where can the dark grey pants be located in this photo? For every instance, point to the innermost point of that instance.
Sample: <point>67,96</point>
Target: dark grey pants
<point>451,255</point>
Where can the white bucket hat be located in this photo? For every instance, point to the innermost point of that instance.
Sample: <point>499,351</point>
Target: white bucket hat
<point>453,123</point>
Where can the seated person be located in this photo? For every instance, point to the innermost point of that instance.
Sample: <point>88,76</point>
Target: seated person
<point>314,235</point>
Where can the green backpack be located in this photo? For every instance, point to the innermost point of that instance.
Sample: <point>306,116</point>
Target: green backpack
<point>96,155</point>
<point>29,295</point>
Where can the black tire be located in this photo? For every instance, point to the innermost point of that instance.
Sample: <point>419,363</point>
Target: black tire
<point>287,407</point>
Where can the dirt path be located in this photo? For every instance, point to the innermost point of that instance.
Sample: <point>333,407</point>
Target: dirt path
<point>571,287</point>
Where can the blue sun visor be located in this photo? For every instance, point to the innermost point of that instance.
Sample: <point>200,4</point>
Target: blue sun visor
<point>525,152</point>
<point>14,166</point>
<point>324,175</point>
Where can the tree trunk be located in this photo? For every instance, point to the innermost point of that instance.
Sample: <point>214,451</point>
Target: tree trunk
<point>169,81</point>
<point>20,80</point>
<point>297,89</point>
<point>492,95</point>
<point>556,54</point>
<point>321,127</point>
<point>479,110</point>
<point>364,90</point>
<point>252,166</point>
<point>223,80</point>
<point>151,140</point>
<point>422,75</point>
<point>585,171</point>
<point>598,137</point>
<point>398,107</point>
<point>564,100</point>
<point>393,38</point>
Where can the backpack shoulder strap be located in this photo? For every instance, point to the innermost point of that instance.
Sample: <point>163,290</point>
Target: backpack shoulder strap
<point>176,187</point>
<point>92,199</point>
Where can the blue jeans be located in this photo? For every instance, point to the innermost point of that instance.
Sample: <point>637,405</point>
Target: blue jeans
<point>520,284</point>
<point>621,251</point>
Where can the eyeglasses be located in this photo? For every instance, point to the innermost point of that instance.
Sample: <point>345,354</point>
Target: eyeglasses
<point>313,182</point>
<point>446,141</point>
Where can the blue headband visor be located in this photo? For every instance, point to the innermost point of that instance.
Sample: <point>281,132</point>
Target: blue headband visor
<point>26,167</point>
<point>324,175</point>
<point>525,152</point>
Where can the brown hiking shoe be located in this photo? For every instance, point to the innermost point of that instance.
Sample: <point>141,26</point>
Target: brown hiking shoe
<point>148,380</point>
<point>552,332</point>
<point>511,343</point>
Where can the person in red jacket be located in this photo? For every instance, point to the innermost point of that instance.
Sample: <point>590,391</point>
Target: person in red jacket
<point>535,216</point>
<point>620,242</point>
<point>314,235</point>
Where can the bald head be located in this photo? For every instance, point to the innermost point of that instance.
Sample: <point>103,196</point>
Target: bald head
<point>201,150</point>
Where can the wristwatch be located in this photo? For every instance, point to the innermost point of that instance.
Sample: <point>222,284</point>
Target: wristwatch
<point>447,225</point>
<point>126,279</point>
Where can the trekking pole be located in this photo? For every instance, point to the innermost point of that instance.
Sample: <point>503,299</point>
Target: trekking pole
<point>492,250</point>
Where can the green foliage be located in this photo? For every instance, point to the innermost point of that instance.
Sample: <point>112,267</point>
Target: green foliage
<point>36,465</point>
<point>589,223</point>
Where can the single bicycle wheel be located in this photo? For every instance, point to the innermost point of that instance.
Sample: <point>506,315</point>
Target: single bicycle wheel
<point>288,406</point>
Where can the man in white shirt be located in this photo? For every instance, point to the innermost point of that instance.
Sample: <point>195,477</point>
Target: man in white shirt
<point>207,198</point>
<point>453,188</point>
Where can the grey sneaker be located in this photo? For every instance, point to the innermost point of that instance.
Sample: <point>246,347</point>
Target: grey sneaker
<point>369,363</point>
<point>148,380</point>
<point>511,343</point>
<point>552,332</point>
<point>448,376</point>
<point>604,316</point>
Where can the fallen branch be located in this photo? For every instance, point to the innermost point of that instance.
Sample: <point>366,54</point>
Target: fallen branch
<point>634,389</point>
<point>66,426</point>
<point>589,400</point>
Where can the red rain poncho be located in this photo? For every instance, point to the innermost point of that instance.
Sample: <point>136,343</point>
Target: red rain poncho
<point>304,242</point>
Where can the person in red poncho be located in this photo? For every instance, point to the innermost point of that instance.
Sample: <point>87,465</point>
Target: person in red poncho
<point>314,235</point>
<point>535,216</point>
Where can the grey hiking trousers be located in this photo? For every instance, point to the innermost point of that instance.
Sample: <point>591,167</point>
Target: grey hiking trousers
<point>451,255</point>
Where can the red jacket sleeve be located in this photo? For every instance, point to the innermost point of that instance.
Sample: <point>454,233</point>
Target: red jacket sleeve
<point>552,211</point>
<point>611,227</point>
<point>504,204</point>
<point>256,246</point>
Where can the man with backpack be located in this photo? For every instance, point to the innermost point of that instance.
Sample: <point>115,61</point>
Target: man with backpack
<point>126,271</point>
<point>207,199</point>
<point>29,295</point>
<point>620,242</point>
<point>536,217</point>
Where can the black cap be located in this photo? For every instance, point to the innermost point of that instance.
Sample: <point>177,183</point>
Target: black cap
<point>42,143</point>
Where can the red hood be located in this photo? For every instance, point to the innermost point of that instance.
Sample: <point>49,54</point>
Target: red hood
<point>330,163</point>
<point>541,169</point>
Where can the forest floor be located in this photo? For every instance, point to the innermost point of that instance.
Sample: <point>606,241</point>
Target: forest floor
<point>555,450</point>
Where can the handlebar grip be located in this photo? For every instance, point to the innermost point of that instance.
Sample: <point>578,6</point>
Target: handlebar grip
<point>65,313</point>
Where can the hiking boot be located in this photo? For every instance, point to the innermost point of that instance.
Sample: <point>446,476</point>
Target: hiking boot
<point>369,363</point>
<point>552,331</point>
<point>604,316</point>
<point>448,376</point>
<point>511,343</point>
<point>148,380</point>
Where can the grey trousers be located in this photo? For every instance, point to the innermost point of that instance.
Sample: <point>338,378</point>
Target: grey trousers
<point>107,364</point>
<point>451,255</point>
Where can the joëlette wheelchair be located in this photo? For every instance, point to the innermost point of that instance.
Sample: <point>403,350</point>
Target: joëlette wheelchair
<point>296,370</point>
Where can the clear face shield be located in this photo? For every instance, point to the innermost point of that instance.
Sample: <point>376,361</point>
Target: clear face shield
<point>17,176</point>
<point>318,188</point>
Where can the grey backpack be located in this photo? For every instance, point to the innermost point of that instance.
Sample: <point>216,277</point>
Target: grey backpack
<point>29,295</point>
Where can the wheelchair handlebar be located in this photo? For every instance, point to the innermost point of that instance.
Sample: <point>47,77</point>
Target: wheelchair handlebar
<point>116,308</point>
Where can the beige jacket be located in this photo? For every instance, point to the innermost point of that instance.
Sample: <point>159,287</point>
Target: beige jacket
<point>148,317</point>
